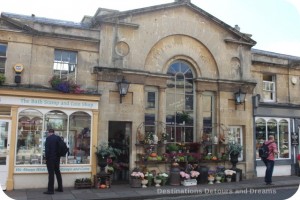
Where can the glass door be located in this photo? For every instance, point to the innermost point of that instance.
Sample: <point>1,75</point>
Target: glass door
<point>4,151</point>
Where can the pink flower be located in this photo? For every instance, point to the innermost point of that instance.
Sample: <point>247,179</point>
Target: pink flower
<point>137,175</point>
<point>194,174</point>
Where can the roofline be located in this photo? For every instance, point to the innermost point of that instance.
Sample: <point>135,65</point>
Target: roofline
<point>274,54</point>
<point>29,30</point>
<point>108,17</point>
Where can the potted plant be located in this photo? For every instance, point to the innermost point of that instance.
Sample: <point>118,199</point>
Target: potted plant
<point>164,178</point>
<point>136,178</point>
<point>172,147</point>
<point>211,177</point>
<point>83,183</point>
<point>105,152</point>
<point>2,78</point>
<point>228,174</point>
<point>234,150</point>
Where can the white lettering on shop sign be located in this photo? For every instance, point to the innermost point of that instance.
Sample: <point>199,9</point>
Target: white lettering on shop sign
<point>47,102</point>
<point>44,169</point>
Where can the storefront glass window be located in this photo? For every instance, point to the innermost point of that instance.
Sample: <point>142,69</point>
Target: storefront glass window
<point>29,138</point>
<point>79,138</point>
<point>283,139</point>
<point>75,130</point>
<point>277,127</point>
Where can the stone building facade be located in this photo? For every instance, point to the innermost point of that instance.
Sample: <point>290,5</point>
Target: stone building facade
<point>178,59</point>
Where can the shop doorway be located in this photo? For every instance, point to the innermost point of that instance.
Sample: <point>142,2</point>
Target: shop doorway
<point>4,151</point>
<point>119,134</point>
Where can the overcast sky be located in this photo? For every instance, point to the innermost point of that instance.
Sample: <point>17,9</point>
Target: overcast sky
<point>274,24</point>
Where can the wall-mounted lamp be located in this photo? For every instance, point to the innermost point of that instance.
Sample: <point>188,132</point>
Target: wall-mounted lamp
<point>123,86</point>
<point>239,98</point>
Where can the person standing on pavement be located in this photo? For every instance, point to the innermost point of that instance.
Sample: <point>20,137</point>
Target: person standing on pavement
<point>270,160</point>
<point>52,162</point>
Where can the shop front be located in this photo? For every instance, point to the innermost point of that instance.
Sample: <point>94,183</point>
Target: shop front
<point>24,130</point>
<point>281,122</point>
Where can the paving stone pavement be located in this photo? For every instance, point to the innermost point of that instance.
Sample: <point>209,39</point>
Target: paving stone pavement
<point>124,191</point>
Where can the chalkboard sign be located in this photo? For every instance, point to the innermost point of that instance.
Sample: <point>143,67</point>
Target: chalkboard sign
<point>295,138</point>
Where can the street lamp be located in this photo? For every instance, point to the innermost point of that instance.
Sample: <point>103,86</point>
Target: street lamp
<point>239,97</point>
<point>123,86</point>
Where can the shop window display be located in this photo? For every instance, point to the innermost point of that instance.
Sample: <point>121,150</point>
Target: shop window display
<point>30,137</point>
<point>79,138</point>
<point>277,127</point>
<point>74,129</point>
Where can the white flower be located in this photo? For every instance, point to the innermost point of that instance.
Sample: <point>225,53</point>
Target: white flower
<point>229,172</point>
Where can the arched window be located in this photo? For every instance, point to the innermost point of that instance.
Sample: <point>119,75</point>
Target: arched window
<point>79,138</point>
<point>29,138</point>
<point>180,103</point>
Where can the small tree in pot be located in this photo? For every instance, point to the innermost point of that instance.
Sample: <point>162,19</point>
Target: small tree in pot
<point>105,151</point>
<point>234,150</point>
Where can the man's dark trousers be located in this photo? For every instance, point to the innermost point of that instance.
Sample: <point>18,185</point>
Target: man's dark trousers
<point>53,167</point>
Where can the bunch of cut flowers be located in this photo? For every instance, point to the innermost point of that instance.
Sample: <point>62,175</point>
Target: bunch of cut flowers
<point>229,172</point>
<point>137,175</point>
<point>194,174</point>
<point>185,175</point>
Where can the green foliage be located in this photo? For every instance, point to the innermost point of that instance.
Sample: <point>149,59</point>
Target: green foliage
<point>234,148</point>
<point>172,147</point>
<point>105,150</point>
<point>83,180</point>
<point>2,79</point>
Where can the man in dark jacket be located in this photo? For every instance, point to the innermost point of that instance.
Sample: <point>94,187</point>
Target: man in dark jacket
<point>52,161</point>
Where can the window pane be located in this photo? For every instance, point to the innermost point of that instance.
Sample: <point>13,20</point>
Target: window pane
<point>151,100</point>
<point>170,102</point>
<point>149,119</point>
<point>57,56</point>
<point>283,141</point>
<point>189,102</point>
<point>30,138</point>
<point>3,48</point>
<point>188,134</point>
<point>64,64</point>
<point>272,127</point>
<point>73,58</point>
<point>65,57</point>
<point>260,127</point>
<point>180,100</point>
<point>79,138</point>
<point>58,121</point>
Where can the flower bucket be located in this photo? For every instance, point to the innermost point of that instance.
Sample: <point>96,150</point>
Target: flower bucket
<point>136,183</point>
